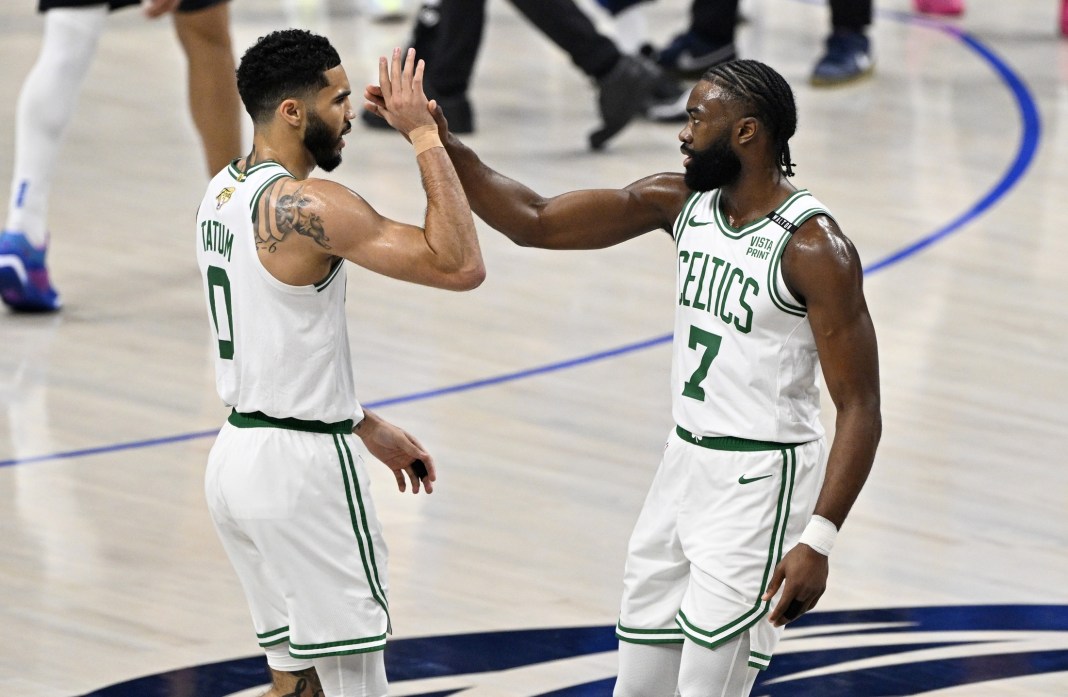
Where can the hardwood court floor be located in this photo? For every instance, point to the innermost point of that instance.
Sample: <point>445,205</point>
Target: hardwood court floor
<point>947,169</point>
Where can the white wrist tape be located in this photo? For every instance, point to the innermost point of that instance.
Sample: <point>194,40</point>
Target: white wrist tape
<point>820,534</point>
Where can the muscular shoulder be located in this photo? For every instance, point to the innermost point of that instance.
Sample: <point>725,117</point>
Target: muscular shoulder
<point>308,210</point>
<point>820,257</point>
<point>666,189</point>
<point>321,193</point>
<point>666,192</point>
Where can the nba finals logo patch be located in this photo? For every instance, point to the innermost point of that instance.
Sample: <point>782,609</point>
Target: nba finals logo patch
<point>223,197</point>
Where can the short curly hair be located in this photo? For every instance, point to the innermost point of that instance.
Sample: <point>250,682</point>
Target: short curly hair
<point>282,65</point>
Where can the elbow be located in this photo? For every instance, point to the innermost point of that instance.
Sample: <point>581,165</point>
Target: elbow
<point>521,241</point>
<point>865,414</point>
<point>474,277</point>
<point>468,278</point>
<point>873,419</point>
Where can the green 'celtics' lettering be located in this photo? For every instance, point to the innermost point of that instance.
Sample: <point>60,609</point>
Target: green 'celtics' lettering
<point>216,237</point>
<point>718,287</point>
<point>711,342</point>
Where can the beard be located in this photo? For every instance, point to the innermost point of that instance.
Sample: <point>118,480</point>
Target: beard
<point>322,143</point>
<point>714,167</point>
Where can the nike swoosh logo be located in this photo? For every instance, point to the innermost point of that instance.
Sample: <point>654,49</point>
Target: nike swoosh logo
<point>687,61</point>
<point>693,223</point>
<point>744,480</point>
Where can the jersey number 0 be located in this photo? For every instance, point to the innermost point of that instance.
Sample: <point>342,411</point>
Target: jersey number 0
<point>221,310</point>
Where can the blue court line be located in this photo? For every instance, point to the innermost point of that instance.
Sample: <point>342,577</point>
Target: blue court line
<point>1024,155</point>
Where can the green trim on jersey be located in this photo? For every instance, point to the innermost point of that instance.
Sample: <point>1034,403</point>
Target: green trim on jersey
<point>738,233</point>
<point>684,216</point>
<point>258,419</point>
<point>649,636</point>
<point>273,637</point>
<point>239,176</point>
<point>254,202</point>
<point>338,648</point>
<point>321,285</point>
<point>789,305</point>
<point>774,273</point>
<point>359,524</point>
<point>716,637</point>
<point>730,443</point>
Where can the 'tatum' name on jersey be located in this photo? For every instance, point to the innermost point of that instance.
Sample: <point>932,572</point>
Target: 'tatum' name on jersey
<point>721,289</point>
<point>216,237</point>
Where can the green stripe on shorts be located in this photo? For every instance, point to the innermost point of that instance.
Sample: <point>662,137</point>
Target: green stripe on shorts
<point>338,648</point>
<point>649,636</point>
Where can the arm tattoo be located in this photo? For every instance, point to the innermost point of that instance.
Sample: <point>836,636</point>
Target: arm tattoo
<point>290,214</point>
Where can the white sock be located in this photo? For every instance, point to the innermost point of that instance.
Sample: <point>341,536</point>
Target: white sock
<point>45,107</point>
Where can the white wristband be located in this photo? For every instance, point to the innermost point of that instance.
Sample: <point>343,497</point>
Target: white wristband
<point>819,534</point>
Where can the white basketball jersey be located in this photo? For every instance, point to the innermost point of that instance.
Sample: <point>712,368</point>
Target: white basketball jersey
<point>745,362</point>
<point>282,350</point>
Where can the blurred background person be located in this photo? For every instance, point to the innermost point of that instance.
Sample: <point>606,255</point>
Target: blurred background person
<point>47,101</point>
<point>448,35</point>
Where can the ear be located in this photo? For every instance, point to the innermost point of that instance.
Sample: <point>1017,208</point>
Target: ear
<point>292,111</point>
<point>746,129</point>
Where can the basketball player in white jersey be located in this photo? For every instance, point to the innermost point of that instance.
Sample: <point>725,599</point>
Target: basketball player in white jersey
<point>733,540</point>
<point>286,487</point>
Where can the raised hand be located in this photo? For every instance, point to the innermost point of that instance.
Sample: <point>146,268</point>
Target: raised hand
<point>398,97</point>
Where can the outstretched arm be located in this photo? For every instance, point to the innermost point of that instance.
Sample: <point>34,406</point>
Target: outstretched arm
<point>587,219</point>
<point>331,221</point>
<point>822,268</point>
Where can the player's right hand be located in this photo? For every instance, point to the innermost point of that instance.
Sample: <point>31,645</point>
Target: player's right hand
<point>398,97</point>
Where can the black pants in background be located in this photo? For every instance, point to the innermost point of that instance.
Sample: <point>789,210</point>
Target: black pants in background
<point>715,20</point>
<point>451,47</point>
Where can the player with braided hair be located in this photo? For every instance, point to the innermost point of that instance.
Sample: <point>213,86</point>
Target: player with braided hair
<point>768,94</point>
<point>733,540</point>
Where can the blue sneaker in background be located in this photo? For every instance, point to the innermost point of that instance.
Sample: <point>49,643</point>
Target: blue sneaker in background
<point>848,58</point>
<point>24,284</point>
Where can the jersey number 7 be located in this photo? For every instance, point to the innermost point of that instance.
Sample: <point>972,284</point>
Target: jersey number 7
<point>699,337</point>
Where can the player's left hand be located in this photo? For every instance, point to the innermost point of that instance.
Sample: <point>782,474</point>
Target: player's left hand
<point>398,450</point>
<point>804,572</point>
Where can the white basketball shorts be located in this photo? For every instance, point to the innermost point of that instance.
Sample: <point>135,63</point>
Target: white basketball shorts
<point>294,513</point>
<point>719,516</point>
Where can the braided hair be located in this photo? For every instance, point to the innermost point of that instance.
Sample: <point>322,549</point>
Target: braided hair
<point>767,94</point>
<point>284,64</point>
